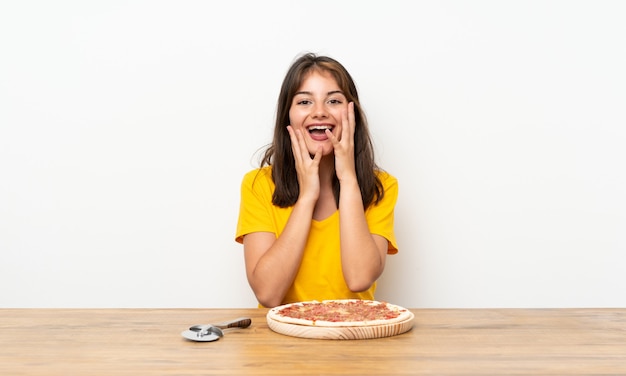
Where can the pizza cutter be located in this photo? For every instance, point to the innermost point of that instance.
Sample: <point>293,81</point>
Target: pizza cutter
<point>213,332</point>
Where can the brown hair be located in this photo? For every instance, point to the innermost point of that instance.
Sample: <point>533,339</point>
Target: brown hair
<point>280,156</point>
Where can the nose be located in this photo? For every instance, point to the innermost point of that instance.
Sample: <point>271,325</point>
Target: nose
<point>319,111</point>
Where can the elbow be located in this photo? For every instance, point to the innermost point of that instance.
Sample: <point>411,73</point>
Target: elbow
<point>268,300</point>
<point>359,285</point>
<point>266,295</point>
<point>359,281</point>
<point>360,277</point>
<point>269,303</point>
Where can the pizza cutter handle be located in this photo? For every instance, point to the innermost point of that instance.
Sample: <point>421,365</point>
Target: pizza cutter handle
<point>241,322</point>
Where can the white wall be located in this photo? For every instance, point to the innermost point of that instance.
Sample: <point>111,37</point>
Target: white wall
<point>126,126</point>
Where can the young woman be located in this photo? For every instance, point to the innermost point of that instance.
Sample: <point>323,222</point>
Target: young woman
<point>316,219</point>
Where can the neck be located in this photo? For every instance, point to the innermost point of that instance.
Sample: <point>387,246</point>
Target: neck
<point>327,170</point>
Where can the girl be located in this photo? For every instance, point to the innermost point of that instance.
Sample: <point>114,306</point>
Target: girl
<point>316,219</point>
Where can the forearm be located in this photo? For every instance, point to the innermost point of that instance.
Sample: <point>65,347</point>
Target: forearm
<point>362,258</point>
<point>277,266</point>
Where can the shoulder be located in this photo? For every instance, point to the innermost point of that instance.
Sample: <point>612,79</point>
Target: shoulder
<point>258,180</point>
<point>263,173</point>
<point>386,179</point>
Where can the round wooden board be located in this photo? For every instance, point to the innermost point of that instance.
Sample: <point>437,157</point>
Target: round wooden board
<point>341,332</point>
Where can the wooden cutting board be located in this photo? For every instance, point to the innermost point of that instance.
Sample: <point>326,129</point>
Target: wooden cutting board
<point>341,332</point>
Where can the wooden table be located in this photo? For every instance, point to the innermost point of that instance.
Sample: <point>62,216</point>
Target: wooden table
<point>442,342</point>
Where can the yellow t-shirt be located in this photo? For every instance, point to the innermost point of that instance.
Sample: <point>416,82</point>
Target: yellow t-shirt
<point>320,276</point>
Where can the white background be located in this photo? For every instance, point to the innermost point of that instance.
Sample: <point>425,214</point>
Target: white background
<point>126,126</point>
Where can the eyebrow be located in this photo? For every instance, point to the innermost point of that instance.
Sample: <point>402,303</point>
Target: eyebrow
<point>309,93</point>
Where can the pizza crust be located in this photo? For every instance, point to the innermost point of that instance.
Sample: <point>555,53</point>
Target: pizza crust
<point>403,313</point>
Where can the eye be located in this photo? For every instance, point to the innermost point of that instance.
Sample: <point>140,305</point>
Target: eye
<point>303,102</point>
<point>335,101</point>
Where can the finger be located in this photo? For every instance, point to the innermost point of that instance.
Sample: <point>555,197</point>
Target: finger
<point>331,137</point>
<point>295,146</point>
<point>318,155</point>
<point>350,121</point>
<point>302,148</point>
<point>351,118</point>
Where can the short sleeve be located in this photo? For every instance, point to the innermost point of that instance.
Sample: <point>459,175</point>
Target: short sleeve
<point>380,217</point>
<point>255,205</point>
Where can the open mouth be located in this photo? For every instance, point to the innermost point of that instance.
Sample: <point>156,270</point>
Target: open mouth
<point>319,130</point>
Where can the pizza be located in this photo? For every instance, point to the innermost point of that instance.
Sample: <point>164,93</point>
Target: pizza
<point>339,313</point>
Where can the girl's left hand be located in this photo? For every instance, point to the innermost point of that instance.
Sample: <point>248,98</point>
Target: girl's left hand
<point>344,147</point>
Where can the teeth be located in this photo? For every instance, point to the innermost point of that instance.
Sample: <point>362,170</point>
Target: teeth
<point>320,127</point>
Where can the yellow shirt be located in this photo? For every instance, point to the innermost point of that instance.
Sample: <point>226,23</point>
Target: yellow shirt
<point>320,276</point>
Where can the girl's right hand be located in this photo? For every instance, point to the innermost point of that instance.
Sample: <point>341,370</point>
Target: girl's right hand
<point>307,168</point>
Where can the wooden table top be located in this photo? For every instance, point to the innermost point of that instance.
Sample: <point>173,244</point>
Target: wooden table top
<point>442,342</point>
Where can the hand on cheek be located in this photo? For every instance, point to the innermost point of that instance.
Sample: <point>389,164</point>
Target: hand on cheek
<point>307,168</point>
<point>344,145</point>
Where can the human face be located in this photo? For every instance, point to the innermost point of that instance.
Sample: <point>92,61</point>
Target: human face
<point>318,105</point>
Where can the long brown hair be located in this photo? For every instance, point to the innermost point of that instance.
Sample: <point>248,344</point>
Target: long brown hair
<point>280,156</point>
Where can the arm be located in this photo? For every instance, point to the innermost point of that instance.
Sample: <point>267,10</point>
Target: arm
<point>363,254</point>
<point>272,263</point>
